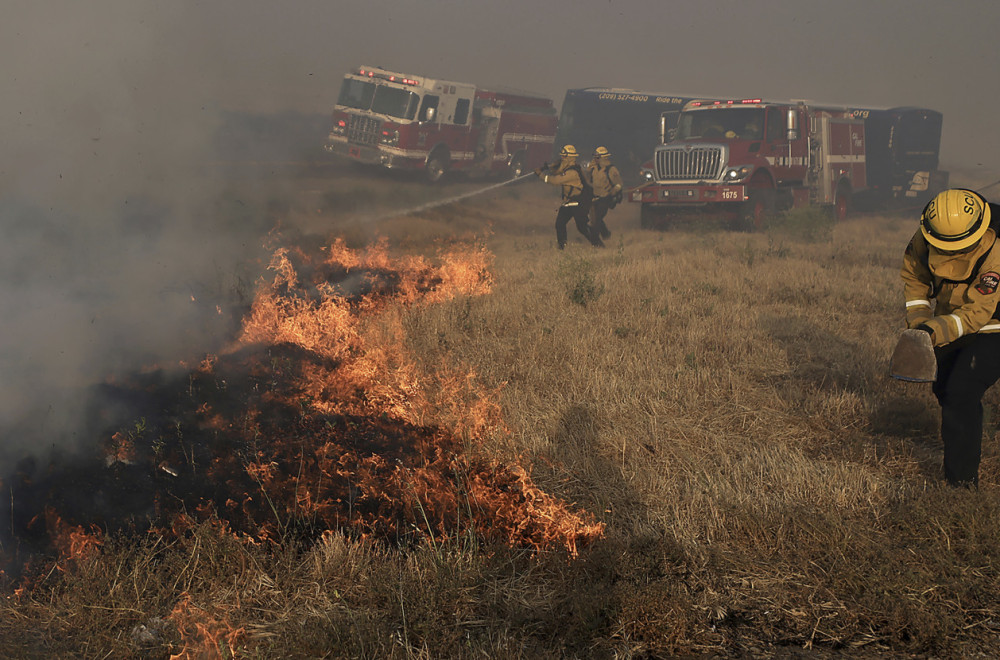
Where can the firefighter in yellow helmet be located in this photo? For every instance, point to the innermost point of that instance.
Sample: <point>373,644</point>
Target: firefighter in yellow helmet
<point>951,273</point>
<point>608,190</point>
<point>576,195</point>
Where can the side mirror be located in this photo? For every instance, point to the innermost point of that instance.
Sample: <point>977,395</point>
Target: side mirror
<point>792,124</point>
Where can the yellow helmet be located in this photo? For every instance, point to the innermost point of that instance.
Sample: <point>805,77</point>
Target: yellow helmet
<point>601,152</point>
<point>569,151</point>
<point>955,219</point>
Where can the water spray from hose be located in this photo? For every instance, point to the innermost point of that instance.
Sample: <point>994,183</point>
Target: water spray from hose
<point>449,200</point>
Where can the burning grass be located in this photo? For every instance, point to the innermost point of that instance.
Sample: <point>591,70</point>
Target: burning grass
<point>722,406</point>
<point>315,419</point>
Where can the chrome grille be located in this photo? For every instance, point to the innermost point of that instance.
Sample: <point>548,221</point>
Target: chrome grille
<point>689,163</point>
<point>363,130</point>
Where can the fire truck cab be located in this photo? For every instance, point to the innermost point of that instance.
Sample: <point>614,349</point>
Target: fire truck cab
<point>404,121</point>
<point>748,158</point>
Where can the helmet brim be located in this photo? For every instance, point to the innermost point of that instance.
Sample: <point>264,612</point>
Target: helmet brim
<point>960,243</point>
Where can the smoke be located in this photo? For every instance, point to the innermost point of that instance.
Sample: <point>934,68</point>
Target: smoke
<point>118,248</point>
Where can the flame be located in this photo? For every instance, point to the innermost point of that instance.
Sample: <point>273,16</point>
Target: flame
<point>404,476</point>
<point>73,542</point>
<point>119,449</point>
<point>203,636</point>
<point>334,325</point>
<point>318,417</point>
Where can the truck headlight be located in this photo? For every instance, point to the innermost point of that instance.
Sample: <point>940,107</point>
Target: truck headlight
<point>339,128</point>
<point>646,175</point>
<point>734,174</point>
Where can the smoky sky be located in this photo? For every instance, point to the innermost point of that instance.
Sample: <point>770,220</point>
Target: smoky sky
<point>291,55</point>
<point>113,242</point>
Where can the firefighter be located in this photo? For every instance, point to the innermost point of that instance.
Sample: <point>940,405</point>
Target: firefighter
<point>953,260</point>
<point>576,195</point>
<point>608,190</point>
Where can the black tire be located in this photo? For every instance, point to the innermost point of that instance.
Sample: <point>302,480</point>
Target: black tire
<point>757,210</point>
<point>437,166</point>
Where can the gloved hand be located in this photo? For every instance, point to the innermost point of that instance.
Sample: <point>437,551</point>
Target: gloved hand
<point>539,170</point>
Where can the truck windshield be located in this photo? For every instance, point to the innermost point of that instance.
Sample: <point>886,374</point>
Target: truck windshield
<point>356,94</point>
<point>401,103</point>
<point>727,122</point>
<point>365,95</point>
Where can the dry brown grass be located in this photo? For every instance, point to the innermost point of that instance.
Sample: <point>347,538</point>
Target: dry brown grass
<point>720,400</point>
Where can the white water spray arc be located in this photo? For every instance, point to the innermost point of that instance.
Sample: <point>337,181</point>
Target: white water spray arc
<point>450,200</point>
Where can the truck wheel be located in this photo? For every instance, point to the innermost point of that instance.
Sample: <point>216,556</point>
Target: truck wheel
<point>437,166</point>
<point>842,204</point>
<point>756,210</point>
<point>651,217</point>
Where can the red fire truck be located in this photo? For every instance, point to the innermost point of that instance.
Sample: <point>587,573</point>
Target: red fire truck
<point>403,121</point>
<point>749,158</point>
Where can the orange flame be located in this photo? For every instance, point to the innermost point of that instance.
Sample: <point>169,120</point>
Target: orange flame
<point>119,449</point>
<point>319,417</point>
<point>203,636</point>
<point>73,542</point>
<point>404,476</point>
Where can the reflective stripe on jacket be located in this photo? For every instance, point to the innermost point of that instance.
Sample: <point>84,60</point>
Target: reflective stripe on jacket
<point>963,288</point>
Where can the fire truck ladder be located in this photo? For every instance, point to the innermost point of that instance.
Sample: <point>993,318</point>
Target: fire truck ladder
<point>815,165</point>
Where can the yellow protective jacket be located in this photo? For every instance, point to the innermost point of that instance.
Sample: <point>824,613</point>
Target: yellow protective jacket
<point>570,177</point>
<point>606,178</point>
<point>962,286</point>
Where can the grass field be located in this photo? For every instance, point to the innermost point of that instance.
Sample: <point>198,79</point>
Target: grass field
<point>720,401</point>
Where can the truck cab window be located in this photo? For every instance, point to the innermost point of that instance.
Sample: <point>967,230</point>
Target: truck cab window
<point>461,111</point>
<point>356,94</point>
<point>430,103</point>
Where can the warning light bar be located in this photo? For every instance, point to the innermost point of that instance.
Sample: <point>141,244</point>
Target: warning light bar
<point>697,104</point>
<point>391,77</point>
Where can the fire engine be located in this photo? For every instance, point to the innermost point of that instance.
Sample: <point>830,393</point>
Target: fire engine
<point>403,121</point>
<point>749,158</point>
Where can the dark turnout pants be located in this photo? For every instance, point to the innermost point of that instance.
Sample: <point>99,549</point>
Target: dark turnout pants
<point>597,213</point>
<point>967,367</point>
<point>580,214</point>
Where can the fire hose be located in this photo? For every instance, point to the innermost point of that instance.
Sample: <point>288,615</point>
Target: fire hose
<point>451,200</point>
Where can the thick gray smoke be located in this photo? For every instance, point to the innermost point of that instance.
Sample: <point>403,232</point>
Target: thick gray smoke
<point>116,243</point>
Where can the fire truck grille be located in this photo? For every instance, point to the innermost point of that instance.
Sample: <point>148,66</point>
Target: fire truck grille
<point>363,130</point>
<point>680,163</point>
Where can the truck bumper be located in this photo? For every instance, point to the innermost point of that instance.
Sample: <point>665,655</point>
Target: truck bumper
<point>372,155</point>
<point>680,195</point>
